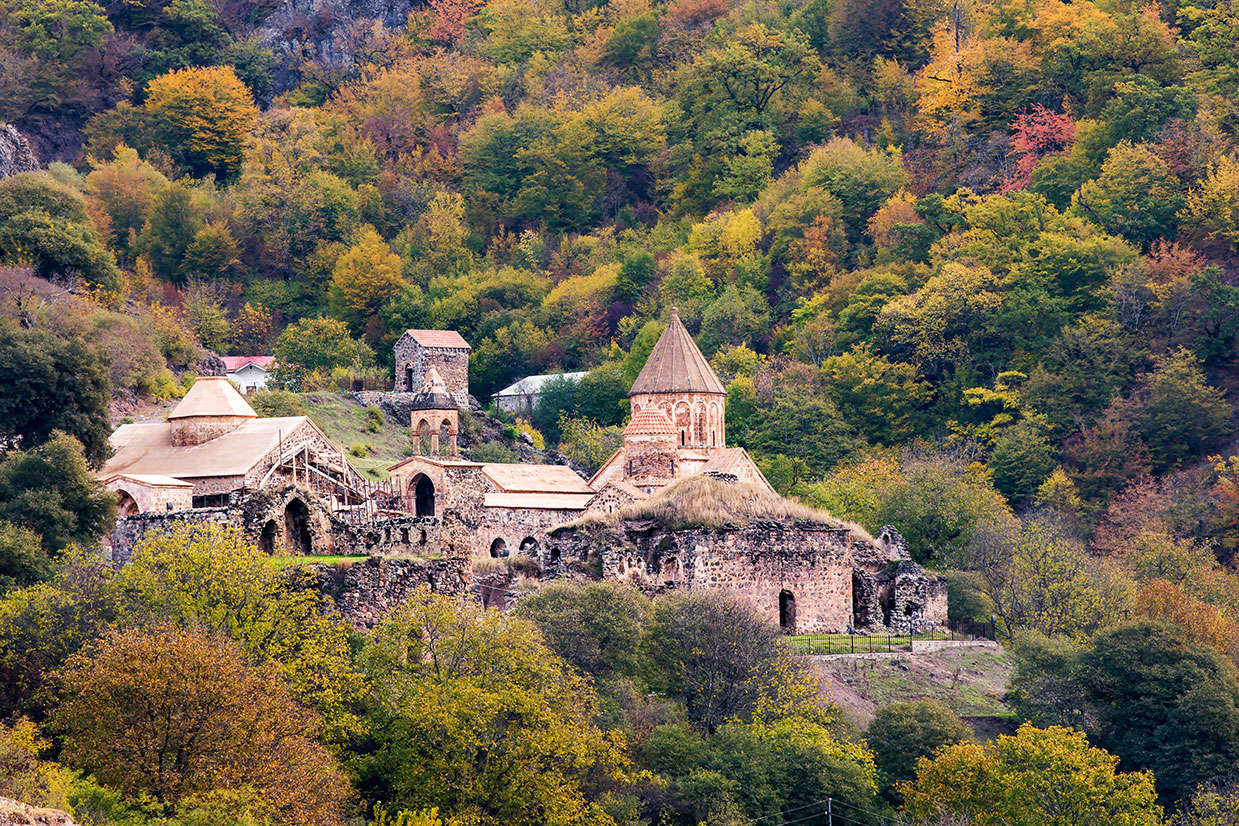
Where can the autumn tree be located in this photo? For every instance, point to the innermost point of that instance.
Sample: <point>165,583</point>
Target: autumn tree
<point>202,117</point>
<point>472,714</point>
<point>362,281</point>
<point>1136,196</point>
<point>1038,776</point>
<point>174,713</point>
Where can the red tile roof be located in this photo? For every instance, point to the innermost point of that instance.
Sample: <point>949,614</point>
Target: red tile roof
<point>235,363</point>
<point>449,339</point>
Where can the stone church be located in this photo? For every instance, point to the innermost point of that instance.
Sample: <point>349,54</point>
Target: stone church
<point>293,492</point>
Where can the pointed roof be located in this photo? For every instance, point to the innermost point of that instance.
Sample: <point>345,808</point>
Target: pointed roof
<point>212,396</point>
<point>650,422</point>
<point>676,365</point>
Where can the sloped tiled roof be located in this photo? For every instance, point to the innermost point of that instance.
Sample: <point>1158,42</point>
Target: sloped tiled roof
<point>152,479</point>
<point>234,363</point>
<point>650,422</point>
<point>518,478</point>
<point>146,448</point>
<point>213,396</point>
<point>449,339</point>
<point>676,365</point>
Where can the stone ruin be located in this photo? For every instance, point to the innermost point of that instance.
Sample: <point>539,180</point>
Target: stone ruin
<point>807,575</point>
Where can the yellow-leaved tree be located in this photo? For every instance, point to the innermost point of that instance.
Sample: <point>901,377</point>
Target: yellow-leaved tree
<point>1039,777</point>
<point>202,117</point>
<point>363,280</point>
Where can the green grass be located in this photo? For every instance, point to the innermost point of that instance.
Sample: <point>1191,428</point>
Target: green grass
<point>289,561</point>
<point>848,643</point>
<point>344,422</point>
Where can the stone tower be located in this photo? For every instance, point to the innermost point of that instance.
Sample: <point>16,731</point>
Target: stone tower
<point>435,420</point>
<point>651,459</point>
<point>678,381</point>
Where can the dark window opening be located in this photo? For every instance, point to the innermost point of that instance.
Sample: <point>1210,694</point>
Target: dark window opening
<point>498,549</point>
<point>408,378</point>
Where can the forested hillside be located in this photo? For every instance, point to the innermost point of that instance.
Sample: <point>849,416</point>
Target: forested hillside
<point>968,268</point>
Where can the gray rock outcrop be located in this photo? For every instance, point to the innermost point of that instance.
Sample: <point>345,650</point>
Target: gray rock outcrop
<point>15,152</point>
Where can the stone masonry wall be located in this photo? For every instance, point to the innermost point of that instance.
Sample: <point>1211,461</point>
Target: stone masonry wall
<point>452,364</point>
<point>808,578</point>
<point>366,591</point>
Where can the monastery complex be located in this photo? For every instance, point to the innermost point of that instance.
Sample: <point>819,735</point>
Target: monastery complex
<point>295,493</point>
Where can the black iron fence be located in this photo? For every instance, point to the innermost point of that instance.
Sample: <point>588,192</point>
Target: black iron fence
<point>816,644</point>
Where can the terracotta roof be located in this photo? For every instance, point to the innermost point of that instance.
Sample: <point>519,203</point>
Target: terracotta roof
<point>650,422</point>
<point>147,449</point>
<point>212,396</point>
<point>234,363</point>
<point>676,365</point>
<point>518,478</point>
<point>449,339</point>
<point>731,459</point>
<point>539,501</point>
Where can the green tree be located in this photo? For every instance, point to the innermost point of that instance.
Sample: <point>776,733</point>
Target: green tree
<point>715,655</point>
<point>22,558</point>
<point>54,385</point>
<point>599,627</point>
<point>212,254</point>
<point>1177,414</point>
<point>174,223</point>
<point>44,223</point>
<point>1161,703</point>
<point>317,344</point>
<point>881,398</point>
<point>50,490</point>
<point>901,734</point>
<point>1136,196</point>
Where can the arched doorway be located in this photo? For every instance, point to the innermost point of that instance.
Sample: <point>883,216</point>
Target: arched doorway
<point>529,546</point>
<point>498,549</point>
<point>297,528</point>
<point>423,495</point>
<point>126,505</point>
<point>266,539</point>
<point>787,612</point>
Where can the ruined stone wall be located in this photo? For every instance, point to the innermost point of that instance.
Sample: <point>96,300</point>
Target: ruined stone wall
<point>130,530</point>
<point>520,530</point>
<point>799,577</point>
<point>367,590</point>
<point>807,578</point>
<point>452,364</point>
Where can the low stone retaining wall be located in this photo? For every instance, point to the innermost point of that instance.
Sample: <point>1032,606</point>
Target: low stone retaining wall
<point>366,591</point>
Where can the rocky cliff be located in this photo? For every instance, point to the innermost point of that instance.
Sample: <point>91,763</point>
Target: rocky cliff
<point>15,152</point>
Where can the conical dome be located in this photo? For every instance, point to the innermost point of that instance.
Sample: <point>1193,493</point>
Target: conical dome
<point>211,408</point>
<point>676,365</point>
<point>213,396</point>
